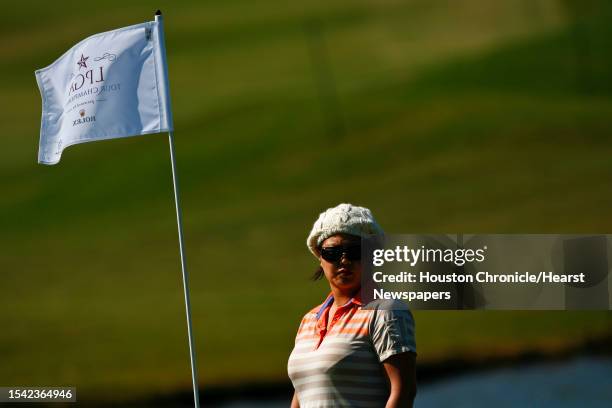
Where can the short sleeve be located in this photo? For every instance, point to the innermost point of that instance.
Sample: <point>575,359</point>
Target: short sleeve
<point>392,332</point>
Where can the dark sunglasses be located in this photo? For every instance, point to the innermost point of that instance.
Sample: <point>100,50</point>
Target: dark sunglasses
<point>334,254</point>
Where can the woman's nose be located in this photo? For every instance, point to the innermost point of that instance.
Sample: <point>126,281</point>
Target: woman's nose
<point>344,259</point>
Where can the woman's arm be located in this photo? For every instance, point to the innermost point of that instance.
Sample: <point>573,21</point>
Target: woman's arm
<point>294,402</point>
<point>401,371</point>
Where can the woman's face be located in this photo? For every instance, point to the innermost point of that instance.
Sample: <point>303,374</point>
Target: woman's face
<point>345,273</point>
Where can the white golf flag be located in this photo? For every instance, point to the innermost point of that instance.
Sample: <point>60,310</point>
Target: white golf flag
<point>110,85</point>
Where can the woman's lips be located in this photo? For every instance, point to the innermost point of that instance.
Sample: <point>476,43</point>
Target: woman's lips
<point>344,272</point>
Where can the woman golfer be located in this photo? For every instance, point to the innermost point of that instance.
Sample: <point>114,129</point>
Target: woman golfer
<point>347,354</point>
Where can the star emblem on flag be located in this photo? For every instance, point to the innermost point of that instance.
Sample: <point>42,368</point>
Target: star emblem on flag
<point>82,62</point>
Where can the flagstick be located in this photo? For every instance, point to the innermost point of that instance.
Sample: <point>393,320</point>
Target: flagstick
<point>179,222</point>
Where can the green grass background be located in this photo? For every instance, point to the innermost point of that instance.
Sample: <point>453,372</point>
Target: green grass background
<point>461,116</point>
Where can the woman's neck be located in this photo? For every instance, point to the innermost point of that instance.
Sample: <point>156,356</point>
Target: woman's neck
<point>341,297</point>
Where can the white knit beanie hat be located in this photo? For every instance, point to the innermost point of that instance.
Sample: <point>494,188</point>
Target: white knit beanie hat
<point>342,219</point>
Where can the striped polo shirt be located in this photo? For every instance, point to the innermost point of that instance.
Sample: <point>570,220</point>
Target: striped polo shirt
<point>341,366</point>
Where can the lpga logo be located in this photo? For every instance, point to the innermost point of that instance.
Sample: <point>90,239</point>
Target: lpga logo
<point>90,77</point>
<point>90,82</point>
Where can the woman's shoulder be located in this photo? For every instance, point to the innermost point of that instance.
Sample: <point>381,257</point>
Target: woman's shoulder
<point>314,312</point>
<point>382,310</point>
<point>311,315</point>
<point>310,319</point>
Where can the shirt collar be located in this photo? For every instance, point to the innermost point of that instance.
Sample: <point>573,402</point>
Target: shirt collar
<point>330,299</point>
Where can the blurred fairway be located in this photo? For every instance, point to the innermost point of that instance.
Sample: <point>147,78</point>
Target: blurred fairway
<point>459,116</point>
